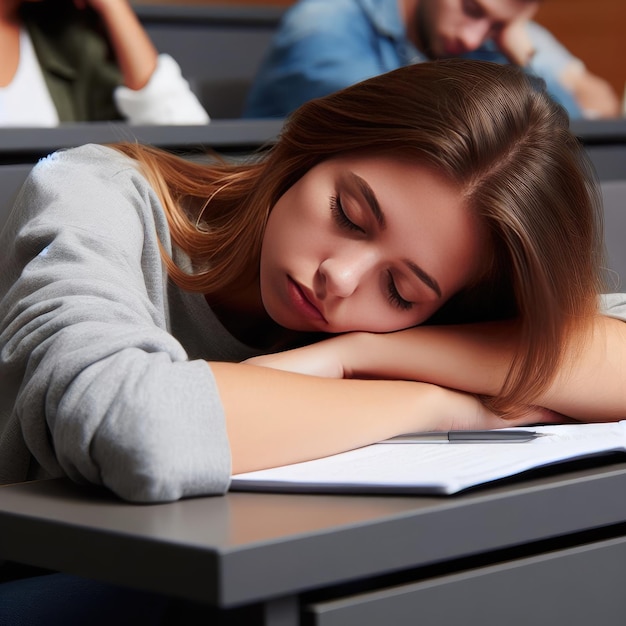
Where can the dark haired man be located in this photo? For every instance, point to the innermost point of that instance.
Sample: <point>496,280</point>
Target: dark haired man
<point>324,45</point>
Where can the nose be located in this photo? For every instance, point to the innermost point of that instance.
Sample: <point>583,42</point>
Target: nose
<point>474,34</point>
<point>341,276</point>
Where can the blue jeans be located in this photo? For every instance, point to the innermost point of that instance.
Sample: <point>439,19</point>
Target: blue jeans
<point>64,600</point>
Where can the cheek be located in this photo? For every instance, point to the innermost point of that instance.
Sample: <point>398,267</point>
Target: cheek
<point>291,218</point>
<point>287,243</point>
<point>279,232</point>
<point>373,313</point>
<point>271,254</point>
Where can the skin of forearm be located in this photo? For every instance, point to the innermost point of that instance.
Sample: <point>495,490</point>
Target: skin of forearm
<point>470,357</point>
<point>589,383</point>
<point>597,97</point>
<point>593,94</point>
<point>275,417</point>
<point>134,50</point>
<point>296,406</point>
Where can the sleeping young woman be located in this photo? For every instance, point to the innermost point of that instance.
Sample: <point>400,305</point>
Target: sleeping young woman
<point>421,251</point>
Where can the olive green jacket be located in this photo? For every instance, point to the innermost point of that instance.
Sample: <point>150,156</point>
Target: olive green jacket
<point>76,62</point>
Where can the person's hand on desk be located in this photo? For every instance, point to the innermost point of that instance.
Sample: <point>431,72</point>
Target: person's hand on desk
<point>476,358</point>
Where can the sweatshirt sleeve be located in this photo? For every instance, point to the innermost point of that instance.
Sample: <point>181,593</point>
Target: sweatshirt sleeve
<point>614,305</point>
<point>551,57</point>
<point>106,394</point>
<point>166,99</point>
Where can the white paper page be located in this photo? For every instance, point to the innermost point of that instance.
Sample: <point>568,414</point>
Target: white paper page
<point>437,468</point>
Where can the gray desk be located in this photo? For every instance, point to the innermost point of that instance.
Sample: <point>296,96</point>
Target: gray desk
<point>235,136</point>
<point>605,142</point>
<point>550,549</point>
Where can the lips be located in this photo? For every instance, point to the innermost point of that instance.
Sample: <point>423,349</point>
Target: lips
<point>304,302</point>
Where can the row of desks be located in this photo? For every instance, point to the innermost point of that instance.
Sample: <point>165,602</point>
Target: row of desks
<point>233,136</point>
<point>544,549</point>
<point>605,140</point>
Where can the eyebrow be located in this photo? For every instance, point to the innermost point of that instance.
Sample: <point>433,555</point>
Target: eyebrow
<point>477,5</point>
<point>496,23</point>
<point>370,198</point>
<point>425,277</point>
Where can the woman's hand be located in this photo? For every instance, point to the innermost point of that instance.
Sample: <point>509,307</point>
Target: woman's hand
<point>457,410</point>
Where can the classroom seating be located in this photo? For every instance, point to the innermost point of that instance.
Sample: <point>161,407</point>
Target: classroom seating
<point>614,196</point>
<point>11,179</point>
<point>219,48</point>
<point>605,142</point>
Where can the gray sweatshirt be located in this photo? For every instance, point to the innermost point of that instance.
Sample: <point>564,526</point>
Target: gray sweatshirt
<point>102,360</point>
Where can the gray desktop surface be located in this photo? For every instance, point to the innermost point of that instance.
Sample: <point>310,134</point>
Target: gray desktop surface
<point>605,142</point>
<point>245,548</point>
<point>27,145</point>
<point>603,131</point>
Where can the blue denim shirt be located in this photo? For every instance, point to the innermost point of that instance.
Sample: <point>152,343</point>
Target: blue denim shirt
<point>325,45</point>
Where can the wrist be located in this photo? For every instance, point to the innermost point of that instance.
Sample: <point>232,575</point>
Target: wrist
<point>525,58</point>
<point>440,409</point>
<point>516,43</point>
<point>116,15</point>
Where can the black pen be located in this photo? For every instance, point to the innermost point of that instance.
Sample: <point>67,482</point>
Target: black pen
<point>467,436</point>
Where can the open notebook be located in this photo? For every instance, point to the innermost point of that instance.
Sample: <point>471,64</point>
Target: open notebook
<point>419,468</point>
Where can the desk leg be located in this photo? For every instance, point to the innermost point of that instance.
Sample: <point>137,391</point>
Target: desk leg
<point>282,612</point>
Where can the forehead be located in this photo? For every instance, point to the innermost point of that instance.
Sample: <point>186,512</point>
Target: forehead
<point>505,10</point>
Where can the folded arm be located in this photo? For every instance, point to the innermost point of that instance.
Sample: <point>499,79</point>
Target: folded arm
<point>594,95</point>
<point>277,417</point>
<point>475,358</point>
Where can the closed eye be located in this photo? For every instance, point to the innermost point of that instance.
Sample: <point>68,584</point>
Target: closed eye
<point>340,217</point>
<point>473,9</point>
<point>394,296</point>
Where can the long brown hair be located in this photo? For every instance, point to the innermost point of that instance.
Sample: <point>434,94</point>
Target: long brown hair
<point>487,128</point>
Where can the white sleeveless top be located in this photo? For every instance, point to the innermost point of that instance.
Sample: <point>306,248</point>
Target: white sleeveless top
<point>26,100</point>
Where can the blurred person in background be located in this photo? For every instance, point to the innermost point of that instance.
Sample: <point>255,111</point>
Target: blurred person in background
<point>84,61</point>
<point>322,46</point>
